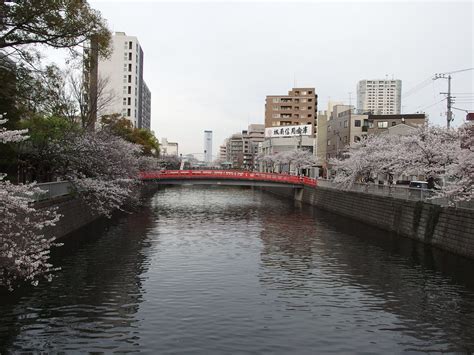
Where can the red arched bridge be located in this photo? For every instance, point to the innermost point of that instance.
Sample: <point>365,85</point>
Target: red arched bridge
<point>226,177</point>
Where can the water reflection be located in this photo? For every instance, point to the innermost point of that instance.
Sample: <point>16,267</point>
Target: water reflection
<point>348,266</point>
<point>225,270</point>
<point>97,292</point>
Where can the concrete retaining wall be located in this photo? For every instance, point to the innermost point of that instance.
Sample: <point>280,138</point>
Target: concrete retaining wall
<point>448,228</point>
<point>76,213</point>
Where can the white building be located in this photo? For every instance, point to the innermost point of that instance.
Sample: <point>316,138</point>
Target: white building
<point>208,146</point>
<point>381,97</point>
<point>121,76</point>
<point>168,148</point>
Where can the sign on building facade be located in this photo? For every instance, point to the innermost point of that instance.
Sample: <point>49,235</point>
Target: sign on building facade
<point>289,131</point>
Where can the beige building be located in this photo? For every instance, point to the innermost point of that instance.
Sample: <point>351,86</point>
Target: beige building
<point>223,151</point>
<point>168,148</point>
<point>379,123</point>
<point>241,149</point>
<point>344,127</point>
<point>323,118</point>
<point>299,107</point>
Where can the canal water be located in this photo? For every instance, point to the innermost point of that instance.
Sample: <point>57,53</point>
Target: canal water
<point>228,270</point>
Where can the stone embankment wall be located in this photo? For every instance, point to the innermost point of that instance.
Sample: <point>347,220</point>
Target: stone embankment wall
<point>448,228</point>
<point>76,213</point>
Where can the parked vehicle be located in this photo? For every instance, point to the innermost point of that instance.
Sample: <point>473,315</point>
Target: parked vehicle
<point>418,185</point>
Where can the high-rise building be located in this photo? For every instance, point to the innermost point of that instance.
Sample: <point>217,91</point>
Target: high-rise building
<point>121,77</point>
<point>299,107</point>
<point>208,146</point>
<point>380,97</point>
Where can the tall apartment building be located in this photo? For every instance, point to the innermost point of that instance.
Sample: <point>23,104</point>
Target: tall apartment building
<point>208,146</point>
<point>380,97</point>
<point>122,77</point>
<point>299,107</point>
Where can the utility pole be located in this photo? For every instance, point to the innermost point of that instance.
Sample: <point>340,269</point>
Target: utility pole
<point>449,98</point>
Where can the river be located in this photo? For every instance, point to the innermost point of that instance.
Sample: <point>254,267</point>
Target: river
<point>230,270</point>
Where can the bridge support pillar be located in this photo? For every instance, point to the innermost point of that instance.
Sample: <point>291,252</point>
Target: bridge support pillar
<point>299,194</point>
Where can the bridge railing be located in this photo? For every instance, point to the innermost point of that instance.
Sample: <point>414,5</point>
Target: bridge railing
<point>226,174</point>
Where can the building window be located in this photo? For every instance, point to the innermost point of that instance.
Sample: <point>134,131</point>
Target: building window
<point>382,124</point>
<point>329,142</point>
<point>130,67</point>
<point>129,90</point>
<point>129,112</point>
<point>130,56</point>
<point>357,123</point>
<point>129,101</point>
<point>130,45</point>
<point>276,115</point>
<point>345,124</point>
<point>124,101</point>
<point>345,139</point>
<point>129,78</point>
<point>275,100</point>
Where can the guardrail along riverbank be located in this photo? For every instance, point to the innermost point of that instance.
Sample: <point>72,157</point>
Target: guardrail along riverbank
<point>428,221</point>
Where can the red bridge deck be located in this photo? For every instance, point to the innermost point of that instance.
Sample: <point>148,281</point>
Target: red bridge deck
<point>226,175</point>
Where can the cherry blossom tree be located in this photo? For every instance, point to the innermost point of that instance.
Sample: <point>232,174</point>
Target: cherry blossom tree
<point>7,136</point>
<point>434,153</point>
<point>24,249</point>
<point>367,159</point>
<point>102,167</point>
<point>297,159</point>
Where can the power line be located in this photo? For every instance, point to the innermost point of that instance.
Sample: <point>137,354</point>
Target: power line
<point>417,87</point>
<point>421,108</point>
<point>458,71</point>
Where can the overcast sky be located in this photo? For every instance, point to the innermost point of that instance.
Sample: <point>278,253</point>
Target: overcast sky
<point>209,65</point>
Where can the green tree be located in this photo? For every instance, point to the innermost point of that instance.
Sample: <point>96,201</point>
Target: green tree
<point>37,155</point>
<point>122,127</point>
<point>53,23</point>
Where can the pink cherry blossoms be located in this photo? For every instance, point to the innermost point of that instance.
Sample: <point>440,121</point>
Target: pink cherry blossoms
<point>431,153</point>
